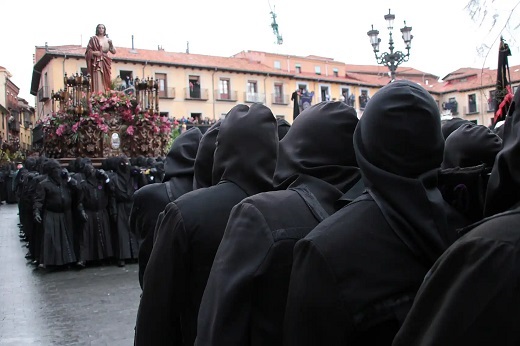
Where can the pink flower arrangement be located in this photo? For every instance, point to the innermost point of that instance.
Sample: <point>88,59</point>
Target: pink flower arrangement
<point>130,130</point>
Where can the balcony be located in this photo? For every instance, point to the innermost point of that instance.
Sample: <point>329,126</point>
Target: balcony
<point>167,93</point>
<point>43,94</point>
<point>470,110</point>
<point>277,99</point>
<point>230,96</point>
<point>196,94</point>
<point>452,106</point>
<point>13,126</point>
<point>254,98</point>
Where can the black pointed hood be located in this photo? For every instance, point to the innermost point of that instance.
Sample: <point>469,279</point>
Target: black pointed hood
<point>203,168</point>
<point>471,145</point>
<point>452,124</point>
<point>247,148</point>
<point>399,147</point>
<point>283,128</point>
<point>181,157</point>
<point>503,190</point>
<point>319,144</point>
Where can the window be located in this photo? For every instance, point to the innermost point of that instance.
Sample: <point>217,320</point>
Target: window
<point>317,69</point>
<point>302,87</point>
<point>452,105</point>
<point>298,68</point>
<point>197,117</point>
<point>252,91</point>
<point>127,77</point>
<point>472,103</point>
<point>281,117</point>
<point>492,101</point>
<point>325,94</point>
<point>277,65</point>
<point>278,92</point>
<point>363,98</point>
<point>161,83</point>
<point>84,71</point>
<point>194,83</point>
<point>223,89</point>
<point>335,72</point>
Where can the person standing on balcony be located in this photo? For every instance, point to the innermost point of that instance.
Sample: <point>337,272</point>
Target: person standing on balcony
<point>98,62</point>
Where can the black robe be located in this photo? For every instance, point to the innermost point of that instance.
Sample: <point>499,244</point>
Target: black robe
<point>244,300</point>
<point>355,275</point>
<point>150,200</point>
<point>123,185</point>
<point>203,167</point>
<point>471,145</point>
<point>451,125</point>
<point>192,227</point>
<point>95,241</point>
<point>296,105</point>
<point>471,295</point>
<point>53,202</point>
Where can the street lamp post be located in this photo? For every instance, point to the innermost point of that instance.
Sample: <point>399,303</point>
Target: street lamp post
<point>393,59</point>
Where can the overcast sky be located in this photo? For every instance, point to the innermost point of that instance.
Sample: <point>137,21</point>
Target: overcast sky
<point>445,37</point>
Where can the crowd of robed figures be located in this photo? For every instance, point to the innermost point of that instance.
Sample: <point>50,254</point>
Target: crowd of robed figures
<point>390,229</point>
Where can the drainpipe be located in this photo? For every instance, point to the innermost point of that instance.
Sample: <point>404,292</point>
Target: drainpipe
<point>145,63</point>
<point>213,91</point>
<point>65,58</point>
<point>265,92</point>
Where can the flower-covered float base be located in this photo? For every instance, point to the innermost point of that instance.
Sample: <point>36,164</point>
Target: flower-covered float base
<point>111,124</point>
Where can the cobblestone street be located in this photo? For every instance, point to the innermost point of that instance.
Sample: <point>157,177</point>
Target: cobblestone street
<point>94,306</point>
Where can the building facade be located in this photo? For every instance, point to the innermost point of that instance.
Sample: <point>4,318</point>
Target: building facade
<point>207,87</point>
<point>16,116</point>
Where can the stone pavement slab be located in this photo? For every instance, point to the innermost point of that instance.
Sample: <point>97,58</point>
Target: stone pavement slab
<point>93,306</point>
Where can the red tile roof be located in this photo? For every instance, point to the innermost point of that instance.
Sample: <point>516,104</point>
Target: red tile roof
<point>363,75</point>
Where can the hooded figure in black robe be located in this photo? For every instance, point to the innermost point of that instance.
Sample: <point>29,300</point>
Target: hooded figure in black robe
<point>123,185</point>
<point>203,167</point>
<point>469,154</point>
<point>451,125</point>
<point>52,208</point>
<point>283,128</point>
<point>471,295</point>
<point>150,200</point>
<point>26,202</point>
<point>94,200</point>
<point>244,300</point>
<point>192,228</point>
<point>355,275</point>
<point>471,145</point>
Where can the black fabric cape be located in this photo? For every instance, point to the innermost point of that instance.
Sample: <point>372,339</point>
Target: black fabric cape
<point>150,200</point>
<point>203,167</point>
<point>244,300</point>
<point>471,295</point>
<point>355,275</point>
<point>283,128</point>
<point>471,145</point>
<point>192,227</point>
<point>451,125</point>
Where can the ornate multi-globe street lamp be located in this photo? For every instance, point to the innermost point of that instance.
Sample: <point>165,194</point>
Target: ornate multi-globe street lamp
<point>391,59</point>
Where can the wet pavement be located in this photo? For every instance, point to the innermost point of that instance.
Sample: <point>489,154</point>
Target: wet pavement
<point>93,306</point>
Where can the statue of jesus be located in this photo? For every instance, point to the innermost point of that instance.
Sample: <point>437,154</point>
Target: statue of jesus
<point>98,61</point>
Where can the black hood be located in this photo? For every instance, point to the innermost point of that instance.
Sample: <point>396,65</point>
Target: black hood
<point>247,148</point>
<point>399,147</point>
<point>283,128</point>
<point>203,168</point>
<point>503,190</point>
<point>451,125</point>
<point>471,145</point>
<point>181,157</point>
<point>319,144</point>
<point>30,164</point>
